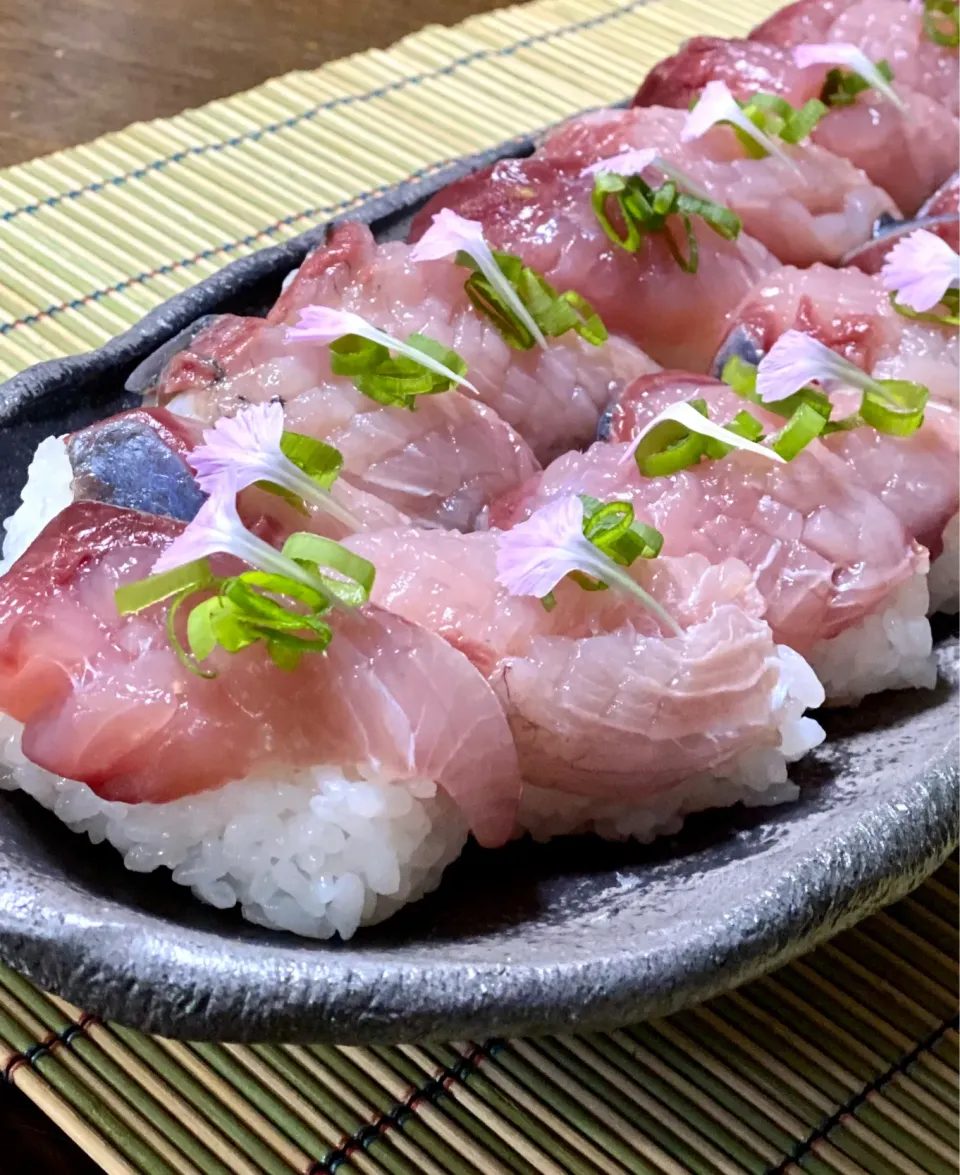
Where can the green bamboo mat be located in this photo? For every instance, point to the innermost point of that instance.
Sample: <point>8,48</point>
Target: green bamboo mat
<point>842,1064</point>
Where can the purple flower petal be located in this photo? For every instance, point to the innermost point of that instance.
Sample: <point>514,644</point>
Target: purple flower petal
<point>850,57</point>
<point>920,269</point>
<point>627,163</point>
<point>535,555</point>
<point>796,360</point>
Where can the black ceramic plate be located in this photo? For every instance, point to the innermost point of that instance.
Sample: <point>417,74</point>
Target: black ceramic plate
<point>529,938</point>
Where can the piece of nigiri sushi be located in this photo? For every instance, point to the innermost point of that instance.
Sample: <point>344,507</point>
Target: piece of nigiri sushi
<point>843,583</point>
<point>909,153</point>
<point>849,312</point>
<point>551,395</point>
<point>540,210</point>
<point>319,797</point>
<point>440,464</point>
<point>917,476</point>
<point>618,727</point>
<point>813,207</point>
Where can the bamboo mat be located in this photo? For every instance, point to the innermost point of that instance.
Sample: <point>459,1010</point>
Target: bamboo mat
<point>844,1063</point>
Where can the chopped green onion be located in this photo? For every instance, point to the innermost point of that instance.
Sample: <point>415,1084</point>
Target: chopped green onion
<point>842,86</point>
<point>183,580</point>
<point>613,528</point>
<point>316,553</point>
<point>951,299</point>
<point>669,448</point>
<point>256,605</point>
<point>805,425</point>
<point>894,407</point>
<point>777,118</point>
<point>644,210</point>
<point>941,22</point>
<point>553,313</point>
<point>897,408</point>
<point>395,379</point>
<point>319,461</point>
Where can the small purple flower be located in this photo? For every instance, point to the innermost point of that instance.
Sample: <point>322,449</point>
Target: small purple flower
<point>796,360</point>
<point>450,234</point>
<point>717,104</point>
<point>920,269</point>
<point>323,324</point>
<point>535,555</point>
<point>850,57</point>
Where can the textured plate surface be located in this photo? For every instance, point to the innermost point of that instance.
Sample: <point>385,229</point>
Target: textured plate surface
<point>576,933</point>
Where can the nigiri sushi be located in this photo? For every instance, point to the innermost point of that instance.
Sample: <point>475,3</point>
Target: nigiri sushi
<point>620,727</point>
<point>318,797</point>
<point>552,396</point>
<point>850,312</point>
<point>908,152</point>
<point>916,476</point>
<point>439,465</point>
<point>810,206</point>
<point>843,583</point>
<point>541,210</point>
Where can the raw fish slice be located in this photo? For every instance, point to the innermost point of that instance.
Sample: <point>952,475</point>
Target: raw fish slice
<point>540,209</point>
<point>440,464</point>
<point>849,312</point>
<point>137,460</point>
<point>551,396</point>
<point>917,477</point>
<point>939,215</point>
<point>600,703</point>
<point>893,31</point>
<point>907,154</point>
<point>826,553</point>
<point>816,208</point>
<point>945,202</point>
<point>105,701</point>
<point>806,21</point>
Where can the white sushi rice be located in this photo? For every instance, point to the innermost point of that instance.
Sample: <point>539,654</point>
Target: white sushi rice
<point>47,492</point>
<point>317,852</point>
<point>758,778</point>
<point>944,582</point>
<point>890,649</point>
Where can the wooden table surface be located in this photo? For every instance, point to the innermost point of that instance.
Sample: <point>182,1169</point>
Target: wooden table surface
<point>74,69</point>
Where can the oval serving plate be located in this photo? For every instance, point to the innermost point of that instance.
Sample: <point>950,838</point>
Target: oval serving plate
<point>578,933</point>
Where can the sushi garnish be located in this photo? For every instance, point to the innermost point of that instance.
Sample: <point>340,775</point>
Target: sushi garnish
<point>587,540</point>
<point>682,433</point>
<point>941,22</point>
<point>854,74</point>
<point>520,302</point>
<point>282,601</point>
<point>644,209</point>
<point>893,406</point>
<point>254,449</point>
<point>419,366</point>
<point>922,272</point>
<point>716,105</point>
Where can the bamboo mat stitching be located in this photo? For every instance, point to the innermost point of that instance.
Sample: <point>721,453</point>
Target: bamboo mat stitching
<point>900,1067</point>
<point>330,104</point>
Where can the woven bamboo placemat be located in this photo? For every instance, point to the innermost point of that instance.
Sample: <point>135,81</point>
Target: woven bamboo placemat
<point>842,1064</point>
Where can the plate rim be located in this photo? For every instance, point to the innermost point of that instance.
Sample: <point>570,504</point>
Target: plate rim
<point>820,899</point>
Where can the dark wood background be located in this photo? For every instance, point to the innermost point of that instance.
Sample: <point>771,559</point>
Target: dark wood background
<point>74,69</point>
